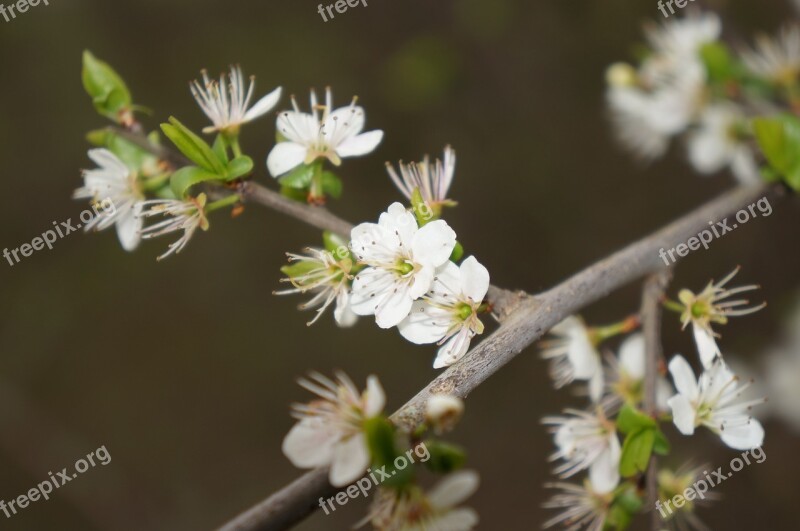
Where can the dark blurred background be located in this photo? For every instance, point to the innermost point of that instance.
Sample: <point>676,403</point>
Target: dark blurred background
<point>185,369</point>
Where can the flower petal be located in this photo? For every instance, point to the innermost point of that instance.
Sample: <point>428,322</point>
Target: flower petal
<point>425,324</point>
<point>706,345</point>
<point>684,378</point>
<point>375,397</point>
<point>745,437</point>
<point>453,350</point>
<point>129,228</point>
<point>350,461</point>
<point>263,106</point>
<point>632,356</point>
<point>360,144</point>
<point>683,414</point>
<point>454,489</point>
<point>284,157</point>
<point>434,243</point>
<point>604,471</point>
<point>474,279</point>
<point>310,443</point>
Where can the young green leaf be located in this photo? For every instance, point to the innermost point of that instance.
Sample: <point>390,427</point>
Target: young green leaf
<point>299,178</point>
<point>444,457</point>
<point>108,91</point>
<point>331,185</point>
<point>636,452</point>
<point>185,178</point>
<point>337,245</point>
<point>630,420</point>
<point>193,147</point>
<point>380,440</point>
<point>239,167</point>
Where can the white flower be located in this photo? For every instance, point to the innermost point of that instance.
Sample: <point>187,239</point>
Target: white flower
<point>432,180</point>
<point>330,431</point>
<point>717,143</point>
<point>413,510</point>
<point>226,103</point>
<point>181,215</point>
<point>574,356</point>
<point>322,273</point>
<point>628,374</point>
<point>402,261</point>
<point>783,375</point>
<point>684,37</point>
<point>709,307</point>
<point>113,181</point>
<point>587,441</point>
<point>710,402</point>
<point>448,313</point>
<point>582,506</point>
<point>332,135</point>
<point>443,411</point>
<point>778,59</point>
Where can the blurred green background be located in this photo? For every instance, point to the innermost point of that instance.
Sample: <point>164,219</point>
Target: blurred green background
<point>185,369</point>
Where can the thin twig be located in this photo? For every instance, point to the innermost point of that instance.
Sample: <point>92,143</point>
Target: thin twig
<point>652,295</point>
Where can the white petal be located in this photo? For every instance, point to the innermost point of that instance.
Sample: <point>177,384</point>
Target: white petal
<point>344,315</point>
<point>745,437</point>
<point>706,346</point>
<point>284,157</point>
<point>453,350</point>
<point>684,378</point>
<point>422,282</point>
<point>263,106</point>
<point>454,489</point>
<point>632,356</point>
<point>474,279</point>
<point>108,161</point>
<point>129,228</point>
<point>604,472</point>
<point>683,414</point>
<point>394,308</point>
<point>350,461</point>
<point>310,444</point>
<point>360,145</point>
<point>461,519</point>
<point>298,127</point>
<point>343,124</point>
<point>596,383</point>
<point>425,324</point>
<point>434,243</point>
<point>368,288</point>
<point>399,223</point>
<point>375,397</point>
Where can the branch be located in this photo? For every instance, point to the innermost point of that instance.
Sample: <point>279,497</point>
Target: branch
<point>524,319</point>
<point>652,296</point>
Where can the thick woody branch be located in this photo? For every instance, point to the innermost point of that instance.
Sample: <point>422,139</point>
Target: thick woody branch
<point>524,319</point>
<point>652,296</point>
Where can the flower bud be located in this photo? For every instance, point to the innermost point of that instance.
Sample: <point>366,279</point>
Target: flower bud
<point>443,412</point>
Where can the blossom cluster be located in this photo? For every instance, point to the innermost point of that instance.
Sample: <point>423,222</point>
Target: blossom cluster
<point>692,84</point>
<point>589,440</point>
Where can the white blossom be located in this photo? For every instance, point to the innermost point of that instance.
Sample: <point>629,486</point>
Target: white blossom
<point>627,379</point>
<point>437,510</point>
<point>718,142</point>
<point>180,215</point>
<point>587,441</point>
<point>402,262</point>
<point>574,357</point>
<point>113,181</point>
<point>711,401</point>
<point>777,59</point>
<point>226,102</point>
<point>329,134</point>
<point>582,507</point>
<point>432,180</point>
<point>711,307</point>
<point>330,430</point>
<point>328,278</point>
<point>448,313</point>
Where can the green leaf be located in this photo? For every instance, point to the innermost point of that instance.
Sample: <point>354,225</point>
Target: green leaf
<point>380,440</point>
<point>239,167</point>
<point>779,139</point>
<point>193,147</point>
<point>636,452</point>
<point>299,178</point>
<point>299,269</point>
<point>631,419</point>
<point>458,252</point>
<point>661,444</point>
<point>220,149</point>
<point>444,457</point>
<point>718,61</point>
<point>336,245</point>
<point>331,185</point>
<point>108,91</point>
<point>422,211</point>
<point>618,518</point>
<point>185,178</point>
<point>294,194</point>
